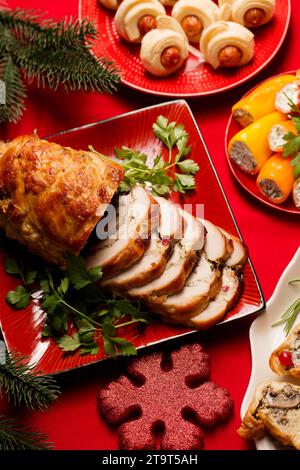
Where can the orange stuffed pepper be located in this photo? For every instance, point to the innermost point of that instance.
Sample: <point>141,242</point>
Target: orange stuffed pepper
<point>276,179</point>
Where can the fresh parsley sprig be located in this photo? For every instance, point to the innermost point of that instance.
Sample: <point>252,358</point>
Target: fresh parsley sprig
<point>78,314</point>
<point>176,174</point>
<point>292,146</point>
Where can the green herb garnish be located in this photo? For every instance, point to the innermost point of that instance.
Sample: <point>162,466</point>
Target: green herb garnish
<point>290,315</point>
<point>78,312</point>
<point>292,146</point>
<point>176,174</point>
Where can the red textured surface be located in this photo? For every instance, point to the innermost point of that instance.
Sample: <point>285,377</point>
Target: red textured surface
<point>22,330</point>
<point>164,390</point>
<point>195,78</point>
<point>73,421</point>
<point>248,182</point>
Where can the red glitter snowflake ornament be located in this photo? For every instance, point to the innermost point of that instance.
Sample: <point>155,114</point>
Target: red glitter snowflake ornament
<point>165,401</point>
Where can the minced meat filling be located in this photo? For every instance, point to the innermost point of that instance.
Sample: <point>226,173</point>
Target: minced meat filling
<point>270,189</point>
<point>242,156</point>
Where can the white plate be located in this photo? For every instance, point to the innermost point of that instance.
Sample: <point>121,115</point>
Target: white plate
<point>264,339</point>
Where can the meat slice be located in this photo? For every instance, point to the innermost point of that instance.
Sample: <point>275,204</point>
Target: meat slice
<point>239,254</point>
<point>179,266</point>
<point>202,285</point>
<point>154,260</point>
<point>137,216</point>
<point>217,247</point>
<point>216,309</point>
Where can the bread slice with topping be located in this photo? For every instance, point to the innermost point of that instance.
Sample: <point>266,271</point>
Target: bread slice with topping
<point>153,262</point>
<point>285,360</point>
<point>275,408</point>
<point>180,264</point>
<point>137,216</point>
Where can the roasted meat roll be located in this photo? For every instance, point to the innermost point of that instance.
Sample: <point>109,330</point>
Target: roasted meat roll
<point>51,197</point>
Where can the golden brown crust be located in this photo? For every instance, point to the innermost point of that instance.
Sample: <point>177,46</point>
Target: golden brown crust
<point>257,419</point>
<point>285,346</point>
<point>51,197</point>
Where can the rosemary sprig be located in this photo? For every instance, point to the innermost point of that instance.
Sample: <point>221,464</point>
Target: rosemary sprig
<point>290,315</point>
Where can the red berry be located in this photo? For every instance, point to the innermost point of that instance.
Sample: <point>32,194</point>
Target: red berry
<point>285,359</point>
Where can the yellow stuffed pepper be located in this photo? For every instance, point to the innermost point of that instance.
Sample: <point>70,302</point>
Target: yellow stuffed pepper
<point>276,178</point>
<point>260,101</point>
<point>249,149</point>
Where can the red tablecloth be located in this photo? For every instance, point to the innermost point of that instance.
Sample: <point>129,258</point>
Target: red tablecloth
<point>73,422</point>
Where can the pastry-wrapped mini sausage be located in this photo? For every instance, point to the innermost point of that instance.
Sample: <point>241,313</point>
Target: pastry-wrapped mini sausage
<point>249,148</point>
<point>276,178</point>
<point>296,193</point>
<point>111,4</point>
<point>227,44</point>
<point>260,101</point>
<point>51,197</point>
<point>165,49</point>
<point>196,15</point>
<point>277,135</point>
<point>251,13</point>
<point>135,18</point>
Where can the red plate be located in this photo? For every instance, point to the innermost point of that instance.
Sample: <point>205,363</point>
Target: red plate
<point>197,79</point>
<point>248,182</point>
<point>22,329</point>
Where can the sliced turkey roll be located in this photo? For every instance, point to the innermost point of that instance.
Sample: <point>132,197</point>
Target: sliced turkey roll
<point>137,217</point>
<point>111,4</point>
<point>165,49</point>
<point>226,298</point>
<point>202,285</point>
<point>251,13</point>
<point>239,254</point>
<point>196,15</point>
<point>153,262</point>
<point>217,247</point>
<point>179,266</point>
<point>227,44</point>
<point>135,18</point>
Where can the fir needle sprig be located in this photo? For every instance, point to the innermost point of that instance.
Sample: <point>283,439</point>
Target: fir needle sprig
<point>23,387</point>
<point>14,436</point>
<point>50,53</point>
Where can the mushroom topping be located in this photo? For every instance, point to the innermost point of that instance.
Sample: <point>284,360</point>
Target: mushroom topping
<point>287,398</point>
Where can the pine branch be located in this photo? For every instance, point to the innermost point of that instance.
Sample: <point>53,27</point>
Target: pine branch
<point>24,387</point>
<point>52,53</point>
<point>30,27</point>
<point>15,92</point>
<point>13,436</point>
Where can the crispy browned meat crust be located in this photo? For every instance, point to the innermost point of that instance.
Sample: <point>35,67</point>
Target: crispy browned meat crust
<point>51,197</point>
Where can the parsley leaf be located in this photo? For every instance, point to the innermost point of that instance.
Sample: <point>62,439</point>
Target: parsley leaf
<point>188,166</point>
<point>18,298</point>
<point>69,343</point>
<point>78,275</point>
